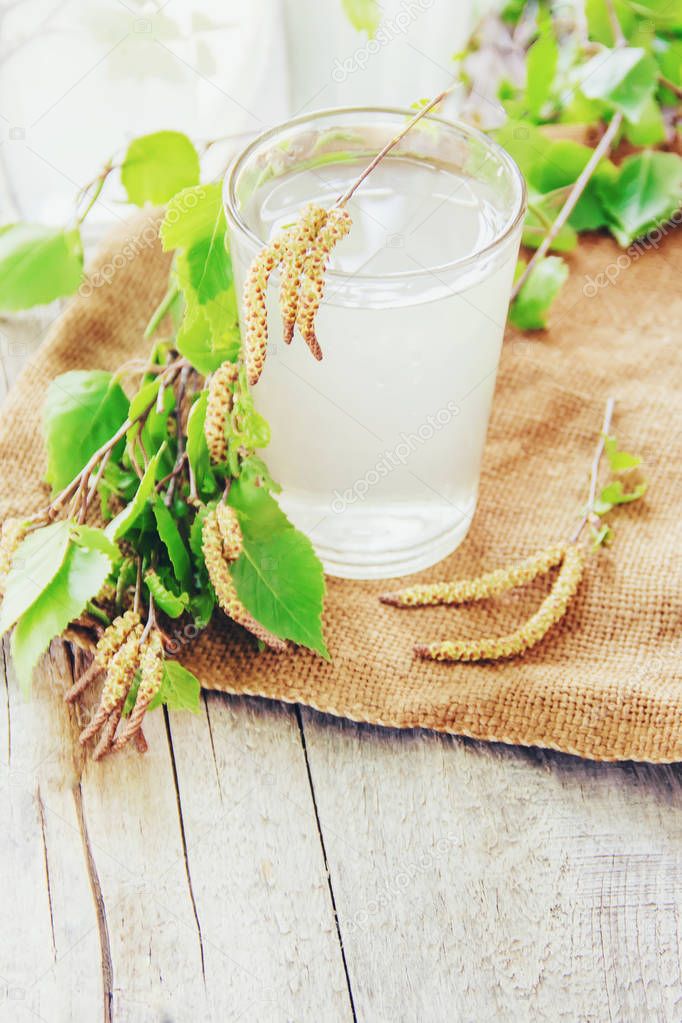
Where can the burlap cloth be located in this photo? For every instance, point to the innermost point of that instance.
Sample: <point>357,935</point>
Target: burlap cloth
<point>607,682</point>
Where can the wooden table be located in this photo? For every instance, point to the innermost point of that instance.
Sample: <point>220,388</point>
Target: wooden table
<point>265,863</point>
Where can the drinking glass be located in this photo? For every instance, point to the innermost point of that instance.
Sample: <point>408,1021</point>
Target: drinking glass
<point>378,446</point>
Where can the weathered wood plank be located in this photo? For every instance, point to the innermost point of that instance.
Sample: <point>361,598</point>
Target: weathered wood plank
<point>487,883</point>
<point>259,879</point>
<point>50,955</point>
<point>186,883</point>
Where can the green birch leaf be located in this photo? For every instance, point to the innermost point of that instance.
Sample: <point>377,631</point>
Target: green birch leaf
<point>530,308</point>
<point>192,215</point>
<point>210,267</point>
<point>35,563</point>
<point>180,689</point>
<point>278,576</point>
<point>624,79</point>
<point>364,15</point>
<point>79,579</point>
<point>649,129</point>
<point>619,461</point>
<point>157,166</point>
<point>82,411</point>
<point>613,494</point>
<point>205,341</point>
<point>173,542</point>
<point>169,602</point>
<point>599,20</point>
<point>197,448</point>
<point>541,65</point>
<point>37,265</point>
<point>644,195</point>
<point>128,516</point>
<point>95,539</point>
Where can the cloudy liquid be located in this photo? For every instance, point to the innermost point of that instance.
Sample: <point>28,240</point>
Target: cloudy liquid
<point>378,447</point>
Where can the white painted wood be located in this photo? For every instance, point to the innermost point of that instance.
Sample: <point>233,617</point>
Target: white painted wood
<point>472,883</point>
<point>478,883</point>
<point>259,878</point>
<point>49,947</point>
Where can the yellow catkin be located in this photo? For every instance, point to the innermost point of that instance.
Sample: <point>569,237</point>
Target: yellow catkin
<point>230,531</point>
<point>336,227</point>
<point>531,632</point>
<point>218,408</point>
<point>302,237</point>
<point>13,532</point>
<point>490,585</point>
<point>114,636</point>
<point>151,677</point>
<point>221,580</point>
<point>122,668</point>
<point>255,311</point>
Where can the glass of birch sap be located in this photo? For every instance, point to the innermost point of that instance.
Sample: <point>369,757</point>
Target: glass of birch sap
<point>378,446</point>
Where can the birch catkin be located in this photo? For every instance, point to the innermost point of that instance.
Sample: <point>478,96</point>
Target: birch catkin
<point>221,580</point>
<point>122,668</point>
<point>218,408</point>
<point>114,636</point>
<point>255,303</point>
<point>230,531</point>
<point>490,585</point>
<point>336,227</point>
<point>302,237</point>
<point>151,677</point>
<point>552,609</point>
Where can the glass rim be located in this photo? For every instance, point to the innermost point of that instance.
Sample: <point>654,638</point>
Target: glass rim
<point>518,212</point>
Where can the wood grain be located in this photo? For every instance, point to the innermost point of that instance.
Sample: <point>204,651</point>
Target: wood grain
<point>484,883</point>
<point>267,864</point>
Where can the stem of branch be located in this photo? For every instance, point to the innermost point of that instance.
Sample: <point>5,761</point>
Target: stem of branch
<point>594,474</point>
<point>577,190</point>
<point>343,199</point>
<point>161,310</point>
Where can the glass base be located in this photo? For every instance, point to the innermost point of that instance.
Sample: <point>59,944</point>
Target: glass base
<point>382,543</point>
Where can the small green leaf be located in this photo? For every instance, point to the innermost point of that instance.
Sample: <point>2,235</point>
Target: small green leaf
<point>602,536</point>
<point>364,15</point>
<point>192,215</point>
<point>173,542</point>
<point>619,461</point>
<point>624,79</point>
<point>157,166</point>
<point>539,219</point>
<point>599,20</point>
<point>613,494</point>
<point>210,267</point>
<point>530,308</point>
<point>37,265</point>
<point>649,129</point>
<point>541,66</point>
<point>197,448</point>
<point>644,195</point>
<point>169,602</point>
<point>79,579</point>
<point>180,689</point>
<point>94,539</point>
<point>208,340</point>
<point>35,563</point>
<point>277,576</point>
<point>82,411</point>
<point>128,516</point>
